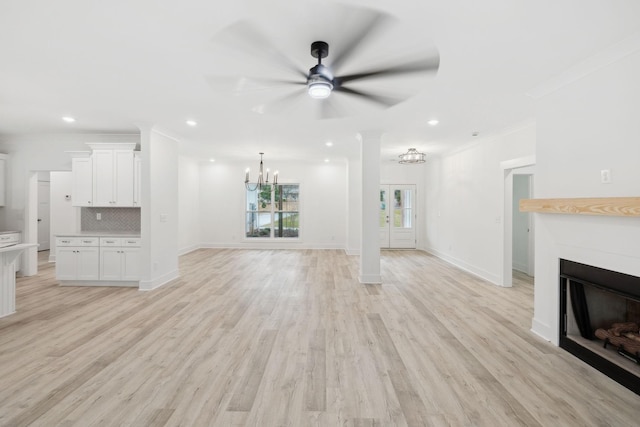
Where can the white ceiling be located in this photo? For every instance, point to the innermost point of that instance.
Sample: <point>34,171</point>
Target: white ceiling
<point>114,64</point>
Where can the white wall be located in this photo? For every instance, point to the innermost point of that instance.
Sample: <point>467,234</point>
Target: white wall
<point>323,203</point>
<point>159,211</point>
<point>588,124</point>
<point>464,201</point>
<point>64,217</point>
<point>188,205</point>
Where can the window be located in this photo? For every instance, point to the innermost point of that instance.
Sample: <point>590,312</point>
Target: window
<point>273,213</point>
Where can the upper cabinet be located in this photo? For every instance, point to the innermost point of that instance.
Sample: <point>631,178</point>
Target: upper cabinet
<point>137,178</point>
<point>82,185</point>
<point>3,177</point>
<point>106,177</point>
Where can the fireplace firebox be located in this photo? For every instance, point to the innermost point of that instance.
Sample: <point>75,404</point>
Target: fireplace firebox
<point>593,300</point>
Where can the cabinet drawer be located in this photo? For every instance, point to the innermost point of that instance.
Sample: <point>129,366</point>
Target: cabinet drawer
<point>9,239</point>
<point>110,241</point>
<point>67,241</point>
<point>133,242</point>
<point>89,241</point>
<point>77,241</point>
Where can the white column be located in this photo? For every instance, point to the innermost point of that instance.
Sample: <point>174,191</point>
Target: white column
<point>369,241</point>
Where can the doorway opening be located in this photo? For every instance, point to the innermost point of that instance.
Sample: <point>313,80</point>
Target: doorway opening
<point>397,216</point>
<point>523,238</point>
<point>510,168</point>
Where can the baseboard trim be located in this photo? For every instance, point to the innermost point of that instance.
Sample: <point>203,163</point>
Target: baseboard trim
<point>187,250</point>
<point>149,285</point>
<point>483,274</point>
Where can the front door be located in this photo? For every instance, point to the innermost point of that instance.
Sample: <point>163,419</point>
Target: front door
<point>397,216</point>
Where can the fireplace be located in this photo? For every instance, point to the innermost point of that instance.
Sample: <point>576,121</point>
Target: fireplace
<point>593,299</point>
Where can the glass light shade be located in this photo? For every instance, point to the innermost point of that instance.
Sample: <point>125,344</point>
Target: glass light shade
<point>412,156</point>
<point>319,89</point>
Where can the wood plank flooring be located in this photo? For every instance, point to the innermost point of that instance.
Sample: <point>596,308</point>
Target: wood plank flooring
<point>290,338</point>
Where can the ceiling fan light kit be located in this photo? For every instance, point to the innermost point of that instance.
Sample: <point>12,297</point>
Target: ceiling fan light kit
<point>412,156</point>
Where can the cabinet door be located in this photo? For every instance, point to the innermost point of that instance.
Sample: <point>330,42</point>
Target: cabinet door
<point>2,179</point>
<point>130,263</point>
<point>123,178</point>
<point>103,178</point>
<point>137,179</point>
<point>88,266</point>
<point>82,187</point>
<point>66,263</point>
<point>110,263</point>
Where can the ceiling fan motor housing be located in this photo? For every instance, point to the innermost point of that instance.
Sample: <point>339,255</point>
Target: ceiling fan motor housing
<point>319,50</point>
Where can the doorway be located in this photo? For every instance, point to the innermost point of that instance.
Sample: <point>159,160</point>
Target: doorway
<point>397,216</point>
<point>44,211</point>
<point>523,235</point>
<point>510,168</point>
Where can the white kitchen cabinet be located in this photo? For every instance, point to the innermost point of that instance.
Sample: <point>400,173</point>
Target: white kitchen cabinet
<point>120,259</point>
<point>137,179</point>
<point>3,178</point>
<point>82,186</point>
<point>113,178</point>
<point>77,258</point>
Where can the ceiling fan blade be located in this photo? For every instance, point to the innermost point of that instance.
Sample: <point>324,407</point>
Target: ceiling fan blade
<point>282,103</point>
<point>423,65</point>
<point>373,22</point>
<point>386,101</point>
<point>239,85</point>
<point>251,39</point>
<point>329,110</point>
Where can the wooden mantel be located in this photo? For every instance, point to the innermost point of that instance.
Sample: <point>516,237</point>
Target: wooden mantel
<point>612,206</point>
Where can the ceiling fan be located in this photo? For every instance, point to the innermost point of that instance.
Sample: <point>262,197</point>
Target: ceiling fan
<point>324,82</point>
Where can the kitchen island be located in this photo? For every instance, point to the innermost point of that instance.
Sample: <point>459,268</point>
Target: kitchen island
<point>8,256</point>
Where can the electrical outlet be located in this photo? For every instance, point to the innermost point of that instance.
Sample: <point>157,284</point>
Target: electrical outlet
<point>99,216</point>
<point>605,176</point>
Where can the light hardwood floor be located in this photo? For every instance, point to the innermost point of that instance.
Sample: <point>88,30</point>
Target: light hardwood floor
<point>290,338</point>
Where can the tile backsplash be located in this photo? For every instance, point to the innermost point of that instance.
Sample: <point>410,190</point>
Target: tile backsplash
<point>112,219</point>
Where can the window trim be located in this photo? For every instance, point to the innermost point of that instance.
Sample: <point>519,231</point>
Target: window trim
<point>272,238</point>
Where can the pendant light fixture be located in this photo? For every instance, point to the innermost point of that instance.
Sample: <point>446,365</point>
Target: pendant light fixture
<point>262,179</point>
<point>412,156</point>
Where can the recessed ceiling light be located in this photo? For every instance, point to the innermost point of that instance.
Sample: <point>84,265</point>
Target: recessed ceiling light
<point>329,144</point>
<point>433,122</point>
<point>192,122</point>
<point>212,160</point>
<point>326,160</point>
<point>68,119</point>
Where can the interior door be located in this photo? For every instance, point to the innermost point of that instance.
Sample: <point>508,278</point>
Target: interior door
<point>397,216</point>
<point>43,215</point>
<point>385,235</point>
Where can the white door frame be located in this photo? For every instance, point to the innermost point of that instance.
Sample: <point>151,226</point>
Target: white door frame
<point>390,188</point>
<point>506,249</point>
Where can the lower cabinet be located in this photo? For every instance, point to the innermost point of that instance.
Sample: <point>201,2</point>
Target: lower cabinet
<point>77,259</point>
<point>95,259</point>
<point>119,262</point>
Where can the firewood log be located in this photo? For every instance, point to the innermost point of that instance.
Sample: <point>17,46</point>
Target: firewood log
<point>618,329</point>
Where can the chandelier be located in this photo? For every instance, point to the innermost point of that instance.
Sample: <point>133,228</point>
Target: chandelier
<point>412,156</point>
<point>262,179</point>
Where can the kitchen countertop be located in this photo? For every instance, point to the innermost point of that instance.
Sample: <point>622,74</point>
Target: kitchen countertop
<point>9,232</point>
<point>99,234</point>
